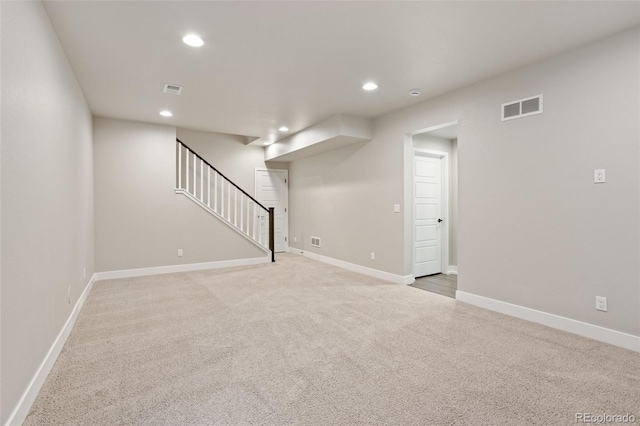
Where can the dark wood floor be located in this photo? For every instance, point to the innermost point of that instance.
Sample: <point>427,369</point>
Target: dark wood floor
<point>443,284</point>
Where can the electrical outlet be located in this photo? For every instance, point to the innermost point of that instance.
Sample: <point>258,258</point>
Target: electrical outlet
<point>84,272</point>
<point>601,303</point>
<point>599,176</point>
<point>396,208</point>
<point>179,252</point>
<point>295,239</point>
<point>373,256</point>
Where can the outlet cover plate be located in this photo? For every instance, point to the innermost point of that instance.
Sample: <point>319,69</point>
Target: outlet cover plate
<point>601,303</point>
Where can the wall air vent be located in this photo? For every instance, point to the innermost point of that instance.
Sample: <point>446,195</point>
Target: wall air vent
<point>172,89</point>
<point>522,108</point>
<point>315,241</point>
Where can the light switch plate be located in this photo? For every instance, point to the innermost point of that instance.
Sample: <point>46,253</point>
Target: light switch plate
<point>599,176</point>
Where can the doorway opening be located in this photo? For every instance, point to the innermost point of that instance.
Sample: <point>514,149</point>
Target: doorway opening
<point>434,208</point>
<point>272,190</point>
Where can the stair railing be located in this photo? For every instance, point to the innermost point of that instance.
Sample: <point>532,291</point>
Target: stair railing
<point>221,196</point>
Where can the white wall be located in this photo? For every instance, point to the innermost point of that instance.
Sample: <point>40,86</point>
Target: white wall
<point>534,230</point>
<point>47,195</point>
<point>140,221</point>
<point>345,197</point>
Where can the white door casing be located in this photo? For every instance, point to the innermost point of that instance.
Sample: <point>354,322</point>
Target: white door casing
<point>272,191</point>
<point>429,213</point>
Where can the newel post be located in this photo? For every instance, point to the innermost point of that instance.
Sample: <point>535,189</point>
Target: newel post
<point>272,244</point>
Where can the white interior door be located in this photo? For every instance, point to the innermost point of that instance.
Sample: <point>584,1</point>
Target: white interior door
<point>427,216</point>
<point>272,191</point>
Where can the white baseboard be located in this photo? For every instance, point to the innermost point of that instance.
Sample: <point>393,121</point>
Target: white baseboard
<point>21,410</point>
<point>595,332</point>
<point>375,273</point>
<point>142,272</point>
<point>452,270</point>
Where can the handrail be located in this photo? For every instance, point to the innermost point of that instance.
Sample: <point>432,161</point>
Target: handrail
<point>217,171</point>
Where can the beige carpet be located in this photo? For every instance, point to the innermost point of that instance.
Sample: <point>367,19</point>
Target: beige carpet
<point>301,342</point>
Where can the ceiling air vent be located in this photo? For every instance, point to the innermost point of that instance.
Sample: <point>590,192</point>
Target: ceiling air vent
<point>522,108</point>
<point>315,241</point>
<point>172,89</point>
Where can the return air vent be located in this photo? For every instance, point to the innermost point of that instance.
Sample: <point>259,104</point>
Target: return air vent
<point>315,241</point>
<point>522,108</point>
<point>172,89</point>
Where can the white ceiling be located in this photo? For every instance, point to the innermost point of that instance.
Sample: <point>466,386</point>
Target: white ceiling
<point>265,64</point>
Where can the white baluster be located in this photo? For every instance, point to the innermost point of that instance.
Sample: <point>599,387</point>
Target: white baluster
<point>180,166</point>
<point>229,200</point>
<point>208,186</point>
<point>262,228</point>
<point>235,208</point>
<point>202,181</point>
<point>263,232</point>
<point>195,181</point>
<point>255,221</point>
<point>215,191</point>
<point>248,209</point>
<point>186,175</point>
<point>241,212</point>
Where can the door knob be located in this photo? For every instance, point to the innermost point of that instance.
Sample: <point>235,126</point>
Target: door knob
<point>440,220</point>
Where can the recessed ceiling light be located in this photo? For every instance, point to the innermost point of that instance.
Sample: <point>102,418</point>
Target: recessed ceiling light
<point>166,113</point>
<point>284,129</point>
<point>415,92</point>
<point>193,40</point>
<point>370,86</point>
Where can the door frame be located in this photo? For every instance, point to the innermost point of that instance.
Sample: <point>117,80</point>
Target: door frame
<point>444,206</point>
<point>286,204</point>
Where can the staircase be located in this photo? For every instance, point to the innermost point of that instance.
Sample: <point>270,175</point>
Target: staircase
<point>214,192</point>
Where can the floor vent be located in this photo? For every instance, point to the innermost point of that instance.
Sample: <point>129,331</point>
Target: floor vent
<point>522,108</point>
<point>172,89</point>
<point>315,241</point>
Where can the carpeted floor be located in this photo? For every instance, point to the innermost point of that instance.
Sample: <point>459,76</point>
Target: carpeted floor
<point>302,342</point>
